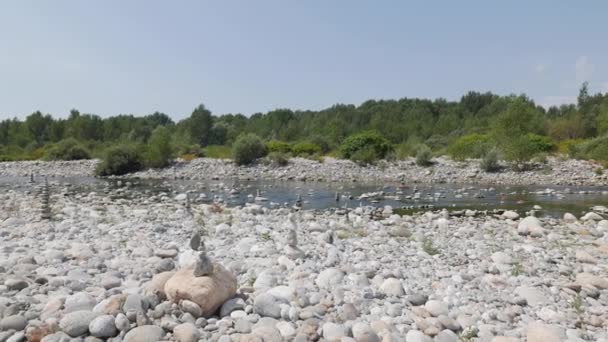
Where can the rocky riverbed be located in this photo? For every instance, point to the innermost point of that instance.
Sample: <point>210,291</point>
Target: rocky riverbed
<point>444,170</point>
<point>120,269</point>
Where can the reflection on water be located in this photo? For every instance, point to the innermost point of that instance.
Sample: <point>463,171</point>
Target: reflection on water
<point>554,200</point>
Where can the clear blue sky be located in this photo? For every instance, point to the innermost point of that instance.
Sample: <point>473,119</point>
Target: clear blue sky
<point>139,56</point>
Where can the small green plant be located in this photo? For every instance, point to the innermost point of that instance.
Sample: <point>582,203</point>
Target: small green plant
<point>489,162</point>
<point>424,156</point>
<point>517,269</point>
<point>247,148</point>
<point>428,247</point>
<point>579,308</point>
<point>599,171</point>
<point>266,236</point>
<point>361,232</point>
<point>251,280</point>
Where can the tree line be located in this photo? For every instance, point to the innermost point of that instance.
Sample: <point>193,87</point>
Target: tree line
<point>406,124</point>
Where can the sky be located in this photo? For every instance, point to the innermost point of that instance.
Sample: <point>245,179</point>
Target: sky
<point>140,56</point>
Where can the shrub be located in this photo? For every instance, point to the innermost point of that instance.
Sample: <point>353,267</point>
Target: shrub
<point>519,151</point>
<point>423,156</point>
<point>436,142</point>
<point>278,146</point>
<point>306,149</point>
<point>489,162</point>
<point>159,152</point>
<point>247,148</point>
<point>278,158</point>
<point>541,143</point>
<point>120,160</point>
<point>364,156</point>
<point>596,148</point>
<point>67,149</point>
<point>322,142</point>
<point>469,146</point>
<point>366,142</point>
<point>569,147</point>
<point>194,151</point>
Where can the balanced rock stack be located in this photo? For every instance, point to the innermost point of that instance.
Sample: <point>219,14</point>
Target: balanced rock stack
<point>208,284</point>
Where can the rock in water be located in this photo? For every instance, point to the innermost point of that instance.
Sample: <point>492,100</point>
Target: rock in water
<point>208,292</point>
<point>145,333</point>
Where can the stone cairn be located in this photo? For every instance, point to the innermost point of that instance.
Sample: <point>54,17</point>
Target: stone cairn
<point>45,198</point>
<point>32,178</point>
<point>203,266</point>
<point>298,205</point>
<point>292,250</point>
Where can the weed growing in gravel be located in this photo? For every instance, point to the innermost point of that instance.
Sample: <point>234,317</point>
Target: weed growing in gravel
<point>266,236</point>
<point>517,269</point>
<point>428,247</point>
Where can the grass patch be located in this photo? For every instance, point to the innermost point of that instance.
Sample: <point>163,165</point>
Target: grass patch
<point>218,152</point>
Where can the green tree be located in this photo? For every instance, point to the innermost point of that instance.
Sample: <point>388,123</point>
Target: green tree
<point>160,151</point>
<point>199,125</point>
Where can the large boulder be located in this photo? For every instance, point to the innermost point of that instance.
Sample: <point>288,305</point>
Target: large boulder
<point>209,292</point>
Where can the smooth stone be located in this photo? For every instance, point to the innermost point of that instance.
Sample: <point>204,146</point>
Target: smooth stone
<point>14,322</point>
<point>436,308</point>
<point>103,326</point>
<point>145,333</point>
<point>77,323</point>
<point>186,332</point>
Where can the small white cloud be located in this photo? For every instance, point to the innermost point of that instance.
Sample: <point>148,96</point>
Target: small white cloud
<point>583,69</point>
<point>550,101</point>
<point>540,68</point>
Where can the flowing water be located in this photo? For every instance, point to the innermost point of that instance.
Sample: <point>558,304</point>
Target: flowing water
<point>554,200</point>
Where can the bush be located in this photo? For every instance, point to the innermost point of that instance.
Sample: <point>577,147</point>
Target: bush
<point>278,158</point>
<point>424,156</point>
<point>306,149</point>
<point>569,147</point>
<point>469,146</point>
<point>247,148</point>
<point>278,146</point>
<point>67,149</point>
<point>364,156</point>
<point>192,151</point>
<point>322,142</point>
<point>368,142</point>
<point>159,152</point>
<point>541,143</point>
<point>596,149</point>
<point>489,162</point>
<point>120,160</point>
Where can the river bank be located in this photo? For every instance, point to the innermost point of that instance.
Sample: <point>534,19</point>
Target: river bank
<point>555,172</point>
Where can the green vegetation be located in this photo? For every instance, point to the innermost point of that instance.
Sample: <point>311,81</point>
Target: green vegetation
<point>278,158</point>
<point>489,162</point>
<point>424,156</point>
<point>470,146</point>
<point>160,151</point>
<point>466,128</point>
<point>67,149</point>
<point>119,160</point>
<point>247,148</point>
<point>366,147</point>
<point>278,146</point>
<point>306,149</point>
